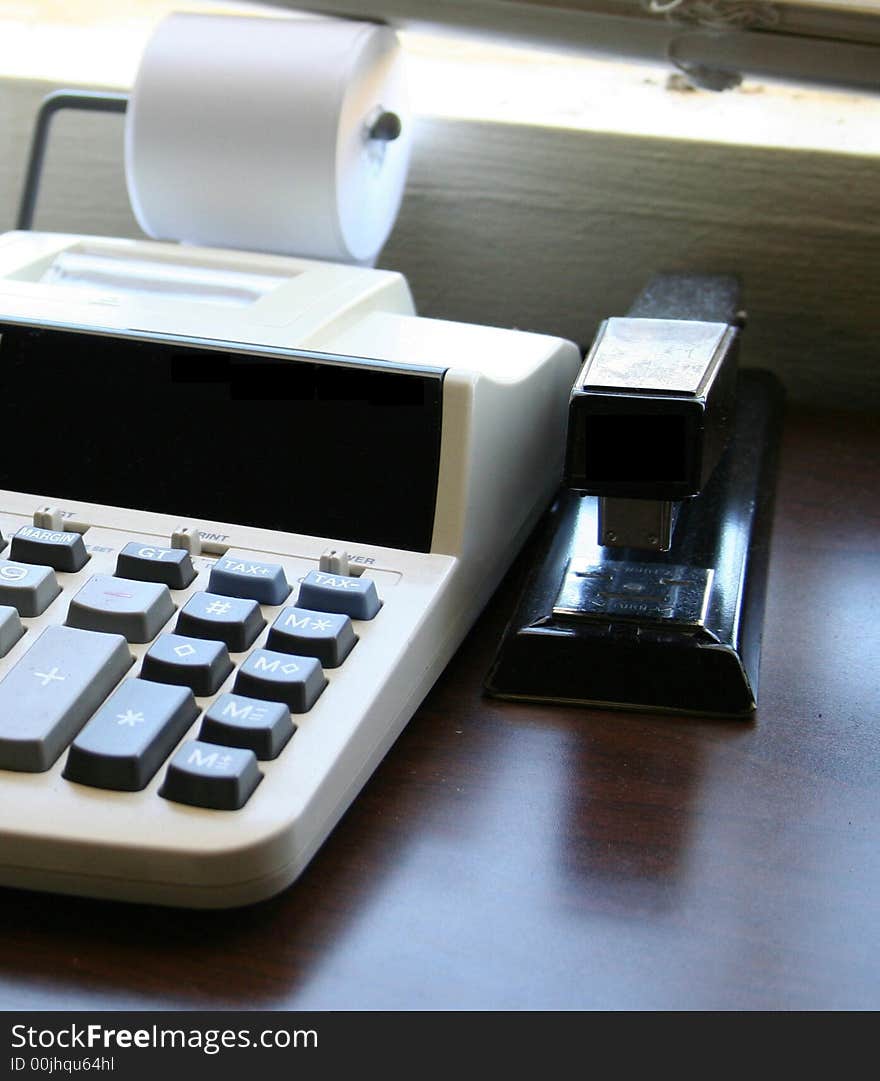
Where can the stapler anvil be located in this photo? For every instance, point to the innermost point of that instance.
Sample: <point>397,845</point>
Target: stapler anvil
<point>648,590</point>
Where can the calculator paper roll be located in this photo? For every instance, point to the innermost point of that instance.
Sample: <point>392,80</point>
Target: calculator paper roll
<point>252,133</point>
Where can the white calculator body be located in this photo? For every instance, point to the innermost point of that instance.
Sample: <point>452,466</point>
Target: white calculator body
<point>249,507</point>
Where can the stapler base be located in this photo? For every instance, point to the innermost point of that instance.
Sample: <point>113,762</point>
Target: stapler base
<point>675,631</point>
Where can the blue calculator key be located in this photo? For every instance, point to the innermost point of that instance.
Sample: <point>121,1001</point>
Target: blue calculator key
<point>236,721</point>
<point>53,690</point>
<point>355,597</point>
<point>327,636</point>
<point>10,629</point>
<point>49,548</point>
<point>280,677</point>
<point>237,576</point>
<point>205,775</point>
<point>131,735</point>
<point>196,663</point>
<point>172,567</point>
<point>235,621</point>
<point>28,588</point>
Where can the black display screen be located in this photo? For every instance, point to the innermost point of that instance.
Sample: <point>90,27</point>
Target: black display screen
<point>293,442</point>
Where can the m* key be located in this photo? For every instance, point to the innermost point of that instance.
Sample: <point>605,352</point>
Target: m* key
<point>327,636</point>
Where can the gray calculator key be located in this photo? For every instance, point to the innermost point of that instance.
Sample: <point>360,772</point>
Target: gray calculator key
<point>131,735</point>
<point>280,677</point>
<point>232,620</point>
<point>136,610</point>
<point>355,597</point>
<point>205,775</point>
<point>237,576</point>
<point>196,663</point>
<point>53,690</point>
<point>236,721</point>
<point>327,636</point>
<point>147,563</point>
<point>49,548</point>
<point>10,629</point>
<point>28,588</point>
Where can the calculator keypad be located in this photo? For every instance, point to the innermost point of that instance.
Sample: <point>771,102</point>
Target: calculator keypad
<point>64,691</point>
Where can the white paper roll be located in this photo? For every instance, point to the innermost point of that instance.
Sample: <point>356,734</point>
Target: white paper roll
<point>253,133</point>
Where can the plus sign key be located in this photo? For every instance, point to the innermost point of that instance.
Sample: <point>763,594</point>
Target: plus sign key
<point>53,690</point>
<point>238,576</point>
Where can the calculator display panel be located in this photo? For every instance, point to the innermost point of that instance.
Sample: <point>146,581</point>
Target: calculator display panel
<point>296,442</point>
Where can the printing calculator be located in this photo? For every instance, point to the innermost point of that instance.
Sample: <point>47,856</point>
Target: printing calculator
<point>249,507</point>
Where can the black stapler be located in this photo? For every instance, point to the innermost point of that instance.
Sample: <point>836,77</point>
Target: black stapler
<point>648,590</point>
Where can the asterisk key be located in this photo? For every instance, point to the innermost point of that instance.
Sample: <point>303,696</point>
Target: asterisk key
<point>130,718</point>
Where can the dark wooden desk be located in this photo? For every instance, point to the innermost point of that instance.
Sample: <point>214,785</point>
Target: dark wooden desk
<point>509,856</point>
